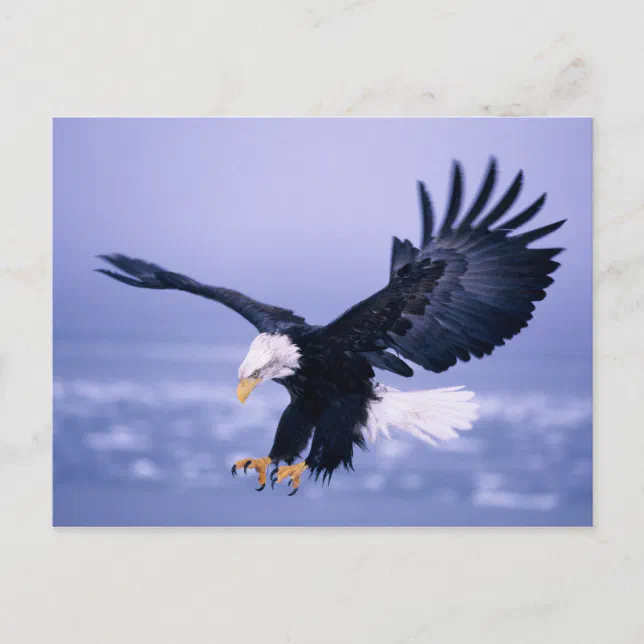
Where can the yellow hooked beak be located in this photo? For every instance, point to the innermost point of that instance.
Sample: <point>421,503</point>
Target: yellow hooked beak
<point>245,386</point>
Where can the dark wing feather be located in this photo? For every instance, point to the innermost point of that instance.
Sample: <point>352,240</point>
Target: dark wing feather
<point>505,203</point>
<point>267,319</point>
<point>524,217</point>
<point>427,212</point>
<point>481,199</point>
<point>388,362</point>
<point>463,293</point>
<point>454,200</point>
<point>401,253</point>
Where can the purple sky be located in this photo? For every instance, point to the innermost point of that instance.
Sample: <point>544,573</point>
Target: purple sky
<point>295,212</point>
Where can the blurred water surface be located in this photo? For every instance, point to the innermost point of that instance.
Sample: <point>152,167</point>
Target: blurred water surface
<point>146,433</point>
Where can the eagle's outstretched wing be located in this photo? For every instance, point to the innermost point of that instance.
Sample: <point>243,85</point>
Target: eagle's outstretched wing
<point>267,319</point>
<point>467,289</point>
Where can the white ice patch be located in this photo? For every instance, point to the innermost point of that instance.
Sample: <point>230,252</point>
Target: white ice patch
<point>515,501</point>
<point>538,410</point>
<point>373,482</point>
<point>144,468</point>
<point>119,438</point>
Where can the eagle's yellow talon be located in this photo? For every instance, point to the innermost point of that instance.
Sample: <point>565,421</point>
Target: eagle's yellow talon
<point>294,472</point>
<point>258,464</point>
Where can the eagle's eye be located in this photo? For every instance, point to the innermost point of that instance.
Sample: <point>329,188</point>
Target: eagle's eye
<point>255,374</point>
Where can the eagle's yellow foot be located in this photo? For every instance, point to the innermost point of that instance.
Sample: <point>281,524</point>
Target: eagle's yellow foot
<point>259,464</point>
<point>292,472</point>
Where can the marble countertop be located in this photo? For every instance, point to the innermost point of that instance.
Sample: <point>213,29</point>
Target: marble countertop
<point>334,58</point>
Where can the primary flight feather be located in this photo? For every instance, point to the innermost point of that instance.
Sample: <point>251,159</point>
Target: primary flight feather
<point>470,286</point>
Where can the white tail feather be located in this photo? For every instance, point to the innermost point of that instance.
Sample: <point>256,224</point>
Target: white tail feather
<point>432,415</point>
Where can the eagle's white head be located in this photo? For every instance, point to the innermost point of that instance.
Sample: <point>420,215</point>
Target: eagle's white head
<point>271,355</point>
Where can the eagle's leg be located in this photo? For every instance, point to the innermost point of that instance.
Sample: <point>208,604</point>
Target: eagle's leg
<point>293,434</point>
<point>258,464</point>
<point>292,472</point>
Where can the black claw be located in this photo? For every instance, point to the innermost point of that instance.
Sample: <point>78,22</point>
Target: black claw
<point>260,488</point>
<point>289,482</point>
<point>233,470</point>
<point>294,491</point>
<point>246,464</point>
<point>273,484</point>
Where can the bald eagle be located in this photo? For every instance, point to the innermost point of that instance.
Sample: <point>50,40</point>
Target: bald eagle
<point>466,289</point>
